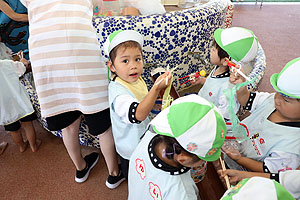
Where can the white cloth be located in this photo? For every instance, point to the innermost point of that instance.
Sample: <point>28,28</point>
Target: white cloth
<point>146,7</point>
<point>290,179</point>
<point>14,99</point>
<point>147,182</point>
<point>69,71</point>
<point>269,141</point>
<point>5,52</point>
<point>280,160</point>
<point>126,135</point>
<point>122,104</point>
<point>213,91</point>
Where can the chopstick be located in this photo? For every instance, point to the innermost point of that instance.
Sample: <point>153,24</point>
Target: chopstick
<point>226,177</point>
<point>166,76</point>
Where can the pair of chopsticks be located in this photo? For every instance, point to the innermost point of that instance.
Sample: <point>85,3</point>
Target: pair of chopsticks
<point>166,76</point>
<point>226,177</point>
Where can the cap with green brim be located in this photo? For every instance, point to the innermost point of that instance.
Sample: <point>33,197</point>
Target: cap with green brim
<point>195,123</point>
<point>287,82</point>
<point>120,36</point>
<point>257,188</point>
<point>241,44</point>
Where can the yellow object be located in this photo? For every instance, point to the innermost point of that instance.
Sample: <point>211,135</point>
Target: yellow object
<point>138,88</point>
<point>167,97</point>
<point>202,73</point>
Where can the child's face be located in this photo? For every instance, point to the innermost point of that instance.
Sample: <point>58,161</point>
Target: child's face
<point>288,108</point>
<point>128,64</point>
<point>214,57</point>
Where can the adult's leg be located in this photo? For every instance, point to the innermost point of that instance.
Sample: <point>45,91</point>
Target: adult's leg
<point>3,146</point>
<point>71,142</point>
<point>31,135</point>
<point>107,146</point>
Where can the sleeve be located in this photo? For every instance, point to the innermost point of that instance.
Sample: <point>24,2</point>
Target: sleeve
<point>281,161</point>
<point>255,100</point>
<point>125,107</point>
<point>291,181</point>
<point>25,3</point>
<point>19,68</point>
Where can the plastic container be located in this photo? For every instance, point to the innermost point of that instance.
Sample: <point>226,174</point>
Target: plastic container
<point>110,8</point>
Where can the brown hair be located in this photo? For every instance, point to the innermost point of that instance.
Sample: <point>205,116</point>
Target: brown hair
<point>124,45</point>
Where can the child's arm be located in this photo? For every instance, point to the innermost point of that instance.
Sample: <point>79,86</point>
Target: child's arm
<point>248,163</point>
<point>236,176</point>
<point>6,9</point>
<point>147,104</point>
<point>243,93</point>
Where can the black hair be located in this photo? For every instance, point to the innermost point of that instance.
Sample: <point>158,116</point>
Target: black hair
<point>169,142</point>
<point>221,52</point>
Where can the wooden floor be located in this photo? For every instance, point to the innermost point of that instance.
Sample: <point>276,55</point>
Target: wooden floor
<point>49,173</point>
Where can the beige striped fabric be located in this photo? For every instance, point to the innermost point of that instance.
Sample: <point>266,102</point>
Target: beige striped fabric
<point>68,69</point>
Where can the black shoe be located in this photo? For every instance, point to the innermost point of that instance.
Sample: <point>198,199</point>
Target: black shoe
<point>91,160</point>
<point>113,182</point>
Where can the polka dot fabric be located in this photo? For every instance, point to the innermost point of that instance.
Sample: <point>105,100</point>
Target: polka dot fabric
<point>170,39</point>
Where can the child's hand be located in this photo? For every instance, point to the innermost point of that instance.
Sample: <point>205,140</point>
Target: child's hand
<point>198,80</point>
<point>235,77</point>
<point>234,154</point>
<point>195,80</point>
<point>163,80</point>
<point>234,176</point>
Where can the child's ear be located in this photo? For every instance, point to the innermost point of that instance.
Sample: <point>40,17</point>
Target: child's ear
<point>110,66</point>
<point>224,61</point>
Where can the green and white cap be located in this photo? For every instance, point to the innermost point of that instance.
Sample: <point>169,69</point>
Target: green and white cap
<point>257,188</point>
<point>287,81</point>
<point>195,123</point>
<point>241,44</point>
<point>120,36</point>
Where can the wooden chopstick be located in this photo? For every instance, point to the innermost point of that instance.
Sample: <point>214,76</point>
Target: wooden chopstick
<point>226,177</point>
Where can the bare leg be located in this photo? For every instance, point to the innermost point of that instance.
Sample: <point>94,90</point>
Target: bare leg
<point>107,146</point>
<point>31,136</point>
<point>71,141</point>
<point>3,146</point>
<point>18,139</point>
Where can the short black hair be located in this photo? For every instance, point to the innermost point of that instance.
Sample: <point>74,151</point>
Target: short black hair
<point>169,142</point>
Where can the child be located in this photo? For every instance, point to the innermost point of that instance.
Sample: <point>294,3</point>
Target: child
<point>129,99</point>
<point>274,133</point>
<point>257,188</point>
<point>290,179</point>
<point>236,44</point>
<point>70,79</point>
<point>16,108</point>
<point>184,135</point>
